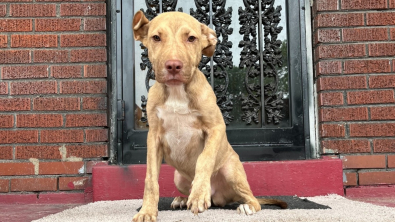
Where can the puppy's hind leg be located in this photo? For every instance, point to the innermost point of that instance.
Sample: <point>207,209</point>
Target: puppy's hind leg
<point>235,176</point>
<point>184,186</point>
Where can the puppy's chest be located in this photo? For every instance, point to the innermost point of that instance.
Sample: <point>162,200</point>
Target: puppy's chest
<point>180,124</point>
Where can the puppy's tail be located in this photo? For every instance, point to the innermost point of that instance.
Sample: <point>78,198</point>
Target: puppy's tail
<point>279,203</point>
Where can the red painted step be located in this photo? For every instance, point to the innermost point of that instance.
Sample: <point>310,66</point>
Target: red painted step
<point>301,178</point>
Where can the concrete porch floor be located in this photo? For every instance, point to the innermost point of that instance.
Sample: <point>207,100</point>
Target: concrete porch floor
<point>29,212</point>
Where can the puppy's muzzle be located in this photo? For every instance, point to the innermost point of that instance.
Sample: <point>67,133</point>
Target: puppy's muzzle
<point>173,67</point>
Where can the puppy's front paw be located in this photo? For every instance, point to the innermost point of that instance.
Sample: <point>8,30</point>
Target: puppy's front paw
<point>200,199</point>
<point>144,216</point>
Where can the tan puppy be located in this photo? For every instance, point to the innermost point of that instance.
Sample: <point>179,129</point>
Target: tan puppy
<point>186,125</point>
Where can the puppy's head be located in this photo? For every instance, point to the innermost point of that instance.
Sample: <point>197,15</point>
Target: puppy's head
<point>175,42</point>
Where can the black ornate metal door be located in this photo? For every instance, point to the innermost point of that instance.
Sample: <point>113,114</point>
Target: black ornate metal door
<point>256,73</point>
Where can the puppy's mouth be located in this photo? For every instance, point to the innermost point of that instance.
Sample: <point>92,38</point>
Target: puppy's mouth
<point>173,80</point>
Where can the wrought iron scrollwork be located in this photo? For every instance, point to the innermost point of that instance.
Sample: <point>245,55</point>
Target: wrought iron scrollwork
<point>170,5</point>
<point>223,56</point>
<point>271,57</point>
<point>249,58</point>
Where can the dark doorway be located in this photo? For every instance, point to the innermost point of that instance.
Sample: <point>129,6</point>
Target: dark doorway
<point>256,73</point>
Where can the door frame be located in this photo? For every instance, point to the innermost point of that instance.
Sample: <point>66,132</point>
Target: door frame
<point>116,110</point>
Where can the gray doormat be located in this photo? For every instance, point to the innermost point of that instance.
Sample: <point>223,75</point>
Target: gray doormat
<point>292,201</point>
<point>341,209</point>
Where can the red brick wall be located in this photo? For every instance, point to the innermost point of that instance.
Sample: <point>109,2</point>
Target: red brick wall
<point>354,68</point>
<point>53,119</point>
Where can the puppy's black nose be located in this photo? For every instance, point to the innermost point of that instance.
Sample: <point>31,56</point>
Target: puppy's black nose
<point>173,66</point>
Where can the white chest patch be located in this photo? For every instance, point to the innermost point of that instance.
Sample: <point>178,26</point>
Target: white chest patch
<point>178,121</point>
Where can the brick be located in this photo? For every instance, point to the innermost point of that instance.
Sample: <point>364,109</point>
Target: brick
<point>351,179</point>
<point>349,82</point>
<point>80,40</point>
<point>382,49</point>
<point>327,35</point>
<point>3,10</point>
<point>73,183</point>
<point>51,56</point>
<point>380,18</point>
<point>34,184</point>
<point>6,121</point>
<point>94,103</point>
<point>366,4</point>
<point>34,41</point>
<point>56,104</point>
<point>363,162</point>
<point>85,87</point>
<point>392,33</point>
<point>54,168</point>
<point>95,71</point>
<point>392,3</point>
<point>391,161</point>
<point>344,114</point>
<point>326,5</point>
<point>383,113</point>
<point>329,67</point>
<point>77,120</point>
<point>3,41</point>
<point>340,51</point>
<point>364,34</point>
<point>24,72</point>
<point>38,152</point>
<point>19,136</point>
<point>4,185</point>
<point>6,152</point>
<point>372,129</point>
<point>62,136</point>
<point>367,66</point>
<point>83,9</point>
<point>383,145</point>
<point>3,90</point>
<point>370,97</point>
<point>377,178</point>
<point>88,55</point>
<point>94,24</point>
<point>91,164</point>
<point>96,135</point>
<point>32,88</point>
<point>14,104</point>
<point>332,130</point>
<point>16,169</point>
<point>55,25</point>
<point>16,25</point>
<point>63,72</point>
<point>339,20</point>
<point>87,151</point>
<point>14,56</point>
<point>330,99</point>
<point>32,10</point>
<point>39,120</point>
<point>345,146</point>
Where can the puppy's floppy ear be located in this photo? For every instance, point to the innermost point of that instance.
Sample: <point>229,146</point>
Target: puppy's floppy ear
<point>140,26</point>
<point>209,40</point>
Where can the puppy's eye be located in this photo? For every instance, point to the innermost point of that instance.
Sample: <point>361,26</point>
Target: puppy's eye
<point>191,38</point>
<point>156,38</point>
